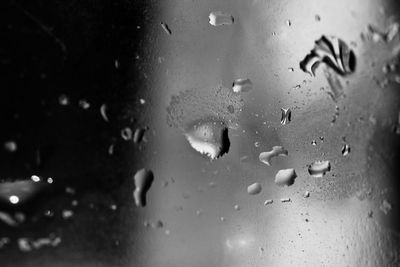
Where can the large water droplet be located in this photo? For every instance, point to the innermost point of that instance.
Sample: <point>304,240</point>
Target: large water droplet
<point>332,51</point>
<point>286,116</point>
<point>285,177</point>
<point>242,85</point>
<point>319,168</point>
<point>265,157</point>
<point>209,138</point>
<point>254,189</point>
<point>217,18</point>
<point>143,180</point>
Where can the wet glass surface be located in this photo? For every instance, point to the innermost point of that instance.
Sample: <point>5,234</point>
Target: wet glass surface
<point>200,133</point>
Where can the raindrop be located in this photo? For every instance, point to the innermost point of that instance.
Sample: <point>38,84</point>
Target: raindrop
<point>143,180</point>
<point>63,100</point>
<point>286,116</point>
<point>217,18</point>
<point>345,149</point>
<point>242,85</point>
<point>283,200</point>
<point>10,146</point>
<point>332,51</point>
<point>209,138</point>
<point>138,135</point>
<point>126,134</point>
<point>14,199</point>
<point>285,177</point>
<point>306,194</point>
<point>265,157</point>
<point>385,207</point>
<point>103,112</point>
<point>204,118</point>
<point>268,202</point>
<point>84,104</point>
<point>313,142</point>
<point>291,69</point>
<point>254,189</point>
<point>50,180</point>
<point>319,168</point>
<point>288,23</point>
<point>166,28</point>
<point>142,101</point>
<point>116,64</point>
<point>66,214</point>
<point>236,207</point>
<point>257,144</point>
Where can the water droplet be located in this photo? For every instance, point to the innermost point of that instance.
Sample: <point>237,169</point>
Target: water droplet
<point>10,146</point>
<point>8,219</point>
<point>157,224</point>
<point>322,138</point>
<point>345,149</point>
<point>142,101</point>
<point>217,18</point>
<point>284,200</point>
<point>66,214</point>
<point>332,51</point>
<point>126,134</point>
<point>257,144</point>
<point>4,241</point>
<point>236,207</point>
<point>285,177</point>
<point>103,112</point>
<point>70,190</point>
<point>166,28</point>
<point>231,109</point>
<point>242,85</point>
<point>288,23</point>
<point>84,104</point>
<point>265,157</point>
<point>222,219</point>
<point>74,203</point>
<point>296,87</point>
<point>14,199</point>
<point>63,100</point>
<point>306,194</point>
<point>385,207</point>
<point>50,180</point>
<point>291,69</point>
<point>286,116</point>
<point>319,168</point>
<point>313,142</point>
<point>143,180</point>
<point>317,17</point>
<point>209,138</point>
<point>268,202</point>
<point>199,212</point>
<point>370,213</point>
<point>254,189</point>
<point>204,118</point>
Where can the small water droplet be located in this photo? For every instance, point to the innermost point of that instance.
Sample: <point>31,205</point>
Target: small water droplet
<point>322,138</point>
<point>63,100</point>
<point>288,23</point>
<point>254,189</point>
<point>265,157</point>
<point>222,219</point>
<point>116,63</point>
<point>257,144</point>
<point>284,200</point>
<point>297,86</point>
<point>66,214</point>
<point>286,116</point>
<point>317,17</point>
<point>236,207</point>
<point>306,194</point>
<point>217,18</point>
<point>345,149</point>
<point>385,207</point>
<point>10,146</point>
<point>142,101</point>
<point>313,142</point>
<point>157,224</point>
<point>166,28</point>
<point>103,112</point>
<point>319,168</point>
<point>14,199</point>
<point>138,135</point>
<point>143,180</point>
<point>231,109</point>
<point>291,69</point>
<point>268,202</point>
<point>242,85</point>
<point>84,104</point>
<point>50,180</point>
<point>199,212</point>
<point>126,134</point>
<point>285,177</point>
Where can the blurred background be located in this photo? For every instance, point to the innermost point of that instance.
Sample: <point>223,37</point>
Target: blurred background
<point>82,79</point>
